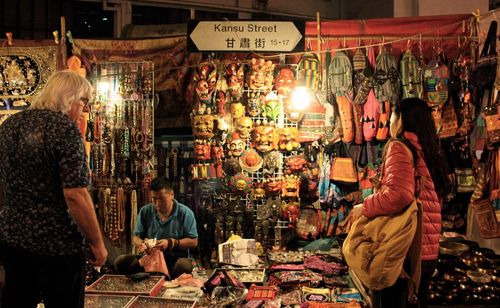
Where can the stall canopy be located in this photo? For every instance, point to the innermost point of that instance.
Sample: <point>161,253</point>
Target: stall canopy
<point>433,31</point>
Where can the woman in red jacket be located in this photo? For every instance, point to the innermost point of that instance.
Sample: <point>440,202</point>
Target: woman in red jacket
<point>412,123</point>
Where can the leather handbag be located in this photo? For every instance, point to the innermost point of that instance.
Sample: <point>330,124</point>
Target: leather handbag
<point>375,249</point>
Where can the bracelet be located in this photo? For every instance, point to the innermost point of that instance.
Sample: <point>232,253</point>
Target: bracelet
<point>170,243</point>
<point>176,244</point>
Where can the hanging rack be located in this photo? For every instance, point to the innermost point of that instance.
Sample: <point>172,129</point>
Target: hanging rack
<point>388,38</point>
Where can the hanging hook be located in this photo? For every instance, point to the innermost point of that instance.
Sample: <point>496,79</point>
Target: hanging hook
<point>343,44</point>
<point>9,38</point>
<point>359,41</point>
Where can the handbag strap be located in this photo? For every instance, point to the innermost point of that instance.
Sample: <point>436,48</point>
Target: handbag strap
<point>490,44</point>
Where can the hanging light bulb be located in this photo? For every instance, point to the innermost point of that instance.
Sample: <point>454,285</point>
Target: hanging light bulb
<point>301,98</point>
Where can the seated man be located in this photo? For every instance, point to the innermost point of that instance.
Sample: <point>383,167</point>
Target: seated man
<point>173,225</point>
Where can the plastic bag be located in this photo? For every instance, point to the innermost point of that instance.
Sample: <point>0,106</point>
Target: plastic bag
<point>154,262</point>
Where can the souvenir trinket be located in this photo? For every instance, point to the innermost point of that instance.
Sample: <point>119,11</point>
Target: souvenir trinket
<point>258,191</point>
<point>217,153</point>
<point>201,150</point>
<point>254,104</point>
<point>240,183</point>
<point>264,138</point>
<point>291,211</point>
<point>204,80</point>
<point>260,77</point>
<point>295,163</point>
<point>288,139</point>
<point>271,107</point>
<point>24,72</point>
<point>231,166</point>
<point>272,163</point>
<point>321,295</point>
<point>244,127</point>
<point>250,160</point>
<point>234,73</point>
<point>235,146</point>
<point>272,186</point>
<point>237,110</point>
<point>249,275</point>
<point>293,113</point>
<point>261,292</point>
<point>285,81</point>
<point>290,186</point>
<point>203,126</point>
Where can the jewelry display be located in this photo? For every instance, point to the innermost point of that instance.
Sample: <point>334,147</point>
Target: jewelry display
<point>158,302</point>
<point>101,300</point>
<point>120,131</point>
<point>121,285</point>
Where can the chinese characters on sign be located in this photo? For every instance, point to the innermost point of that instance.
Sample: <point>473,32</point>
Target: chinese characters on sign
<point>280,36</point>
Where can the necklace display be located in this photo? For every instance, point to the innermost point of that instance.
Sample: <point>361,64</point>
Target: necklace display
<point>120,131</point>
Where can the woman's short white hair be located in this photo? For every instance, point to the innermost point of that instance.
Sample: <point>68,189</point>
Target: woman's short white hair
<point>62,89</point>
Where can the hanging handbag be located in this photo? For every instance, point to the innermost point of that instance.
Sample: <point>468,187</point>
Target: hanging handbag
<point>486,218</point>
<point>484,71</point>
<point>492,119</point>
<point>343,168</point>
<point>449,121</point>
<point>375,249</point>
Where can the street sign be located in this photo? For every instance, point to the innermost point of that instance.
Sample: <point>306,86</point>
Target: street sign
<point>246,36</point>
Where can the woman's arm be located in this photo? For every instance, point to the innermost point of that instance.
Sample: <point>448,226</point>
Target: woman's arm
<point>398,184</point>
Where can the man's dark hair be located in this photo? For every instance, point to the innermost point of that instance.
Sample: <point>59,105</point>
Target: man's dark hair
<point>160,183</point>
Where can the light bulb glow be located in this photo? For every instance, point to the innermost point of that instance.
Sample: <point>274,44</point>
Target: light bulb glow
<point>301,98</point>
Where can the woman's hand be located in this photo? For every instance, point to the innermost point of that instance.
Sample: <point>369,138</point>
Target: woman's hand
<point>354,214</point>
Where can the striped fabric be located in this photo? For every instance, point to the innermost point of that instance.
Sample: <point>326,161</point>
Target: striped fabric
<point>309,71</point>
<point>411,77</point>
<point>340,74</point>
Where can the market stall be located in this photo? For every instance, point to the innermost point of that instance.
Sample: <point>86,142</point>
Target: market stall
<point>279,149</point>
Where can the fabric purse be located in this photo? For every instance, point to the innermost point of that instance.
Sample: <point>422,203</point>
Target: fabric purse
<point>492,119</point>
<point>449,122</point>
<point>375,249</point>
<point>343,170</point>
<point>486,218</point>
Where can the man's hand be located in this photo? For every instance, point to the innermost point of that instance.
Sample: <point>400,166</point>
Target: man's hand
<point>100,254</point>
<point>162,244</point>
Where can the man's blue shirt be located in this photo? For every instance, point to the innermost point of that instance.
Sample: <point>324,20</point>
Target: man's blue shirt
<point>180,224</point>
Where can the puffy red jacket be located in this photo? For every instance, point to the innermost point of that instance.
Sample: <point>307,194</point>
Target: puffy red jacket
<point>397,190</point>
